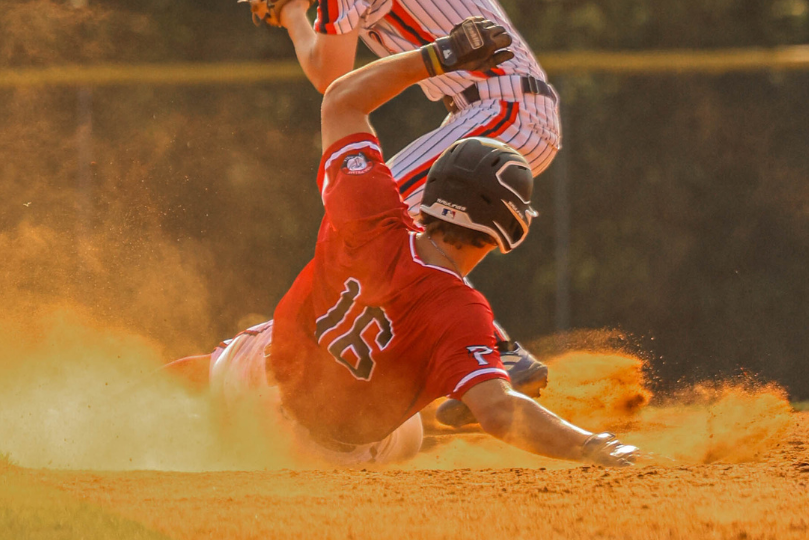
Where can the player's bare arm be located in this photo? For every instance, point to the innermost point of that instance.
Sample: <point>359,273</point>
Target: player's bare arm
<point>350,99</point>
<point>323,57</point>
<point>522,422</point>
<point>474,44</point>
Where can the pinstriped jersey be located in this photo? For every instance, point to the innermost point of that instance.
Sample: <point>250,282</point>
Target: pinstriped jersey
<point>392,26</point>
<point>369,334</point>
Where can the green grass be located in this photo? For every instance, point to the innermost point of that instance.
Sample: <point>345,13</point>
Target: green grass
<point>32,511</point>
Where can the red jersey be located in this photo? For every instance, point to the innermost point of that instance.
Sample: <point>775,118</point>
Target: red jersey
<point>369,334</point>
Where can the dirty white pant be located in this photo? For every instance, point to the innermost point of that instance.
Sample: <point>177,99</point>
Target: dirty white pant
<point>238,371</point>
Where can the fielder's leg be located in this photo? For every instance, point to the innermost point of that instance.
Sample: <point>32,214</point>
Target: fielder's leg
<point>522,125</point>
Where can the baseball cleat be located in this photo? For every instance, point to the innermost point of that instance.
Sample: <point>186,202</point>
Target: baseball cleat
<point>528,376</point>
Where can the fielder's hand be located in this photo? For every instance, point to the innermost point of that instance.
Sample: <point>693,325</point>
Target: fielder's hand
<point>605,449</point>
<point>268,11</point>
<point>476,44</point>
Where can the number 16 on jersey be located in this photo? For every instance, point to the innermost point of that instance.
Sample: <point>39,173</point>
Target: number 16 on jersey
<point>361,331</point>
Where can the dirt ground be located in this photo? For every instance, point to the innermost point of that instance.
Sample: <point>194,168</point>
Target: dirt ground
<point>764,499</point>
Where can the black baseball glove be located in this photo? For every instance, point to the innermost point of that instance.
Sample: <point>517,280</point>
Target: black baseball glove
<point>476,44</point>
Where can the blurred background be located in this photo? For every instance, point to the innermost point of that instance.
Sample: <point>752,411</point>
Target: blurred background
<point>677,213</point>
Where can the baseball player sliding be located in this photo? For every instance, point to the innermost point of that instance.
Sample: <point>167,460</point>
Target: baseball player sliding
<point>512,102</point>
<point>381,322</point>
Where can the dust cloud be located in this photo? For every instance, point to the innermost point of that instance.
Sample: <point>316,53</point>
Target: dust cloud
<point>730,421</point>
<point>89,315</point>
<point>78,396</point>
<point>732,424</point>
<point>606,391</point>
<point>591,389</point>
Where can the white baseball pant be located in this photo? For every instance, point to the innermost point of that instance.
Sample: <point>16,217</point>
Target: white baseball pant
<point>239,370</point>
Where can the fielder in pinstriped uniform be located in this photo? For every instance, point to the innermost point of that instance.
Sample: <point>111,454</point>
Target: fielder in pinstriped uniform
<point>512,103</point>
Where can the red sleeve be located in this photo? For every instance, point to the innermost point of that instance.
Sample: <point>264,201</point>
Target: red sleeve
<point>355,184</point>
<point>467,354</point>
<point>340,16</point>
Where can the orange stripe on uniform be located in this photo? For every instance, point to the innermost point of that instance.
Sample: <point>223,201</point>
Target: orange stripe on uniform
<point>334,11</point>
<point>494,72</point>
<point>492,125</point>
<point>509,118</point>
<point>412,23</point>
<point>328,11</point>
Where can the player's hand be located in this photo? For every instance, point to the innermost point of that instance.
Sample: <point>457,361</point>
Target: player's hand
<point>605,449</point>
<point>476,44</point>
<point>269,11</point>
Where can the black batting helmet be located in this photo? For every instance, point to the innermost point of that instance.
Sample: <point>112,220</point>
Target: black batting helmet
<point>484,185</point>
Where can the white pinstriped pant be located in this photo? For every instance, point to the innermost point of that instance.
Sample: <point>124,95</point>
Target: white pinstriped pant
<point>529,125</point>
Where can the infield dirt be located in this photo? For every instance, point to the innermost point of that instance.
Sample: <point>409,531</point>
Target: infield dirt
<point>763,499</point>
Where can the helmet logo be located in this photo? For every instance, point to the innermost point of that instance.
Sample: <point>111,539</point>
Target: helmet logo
<point>446,212</point>
<point>451,205</point>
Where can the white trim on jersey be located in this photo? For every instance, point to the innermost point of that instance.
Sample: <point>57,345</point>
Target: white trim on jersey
<point>338,154</point>
<point>350,147</point>
<point>478,373</point>
<point>418,260</point>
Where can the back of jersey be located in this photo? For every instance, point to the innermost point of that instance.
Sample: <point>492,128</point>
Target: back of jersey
<point>369,334</point>
<point>393,26</point>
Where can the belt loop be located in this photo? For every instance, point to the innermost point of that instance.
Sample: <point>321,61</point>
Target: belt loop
<point>555,95</point>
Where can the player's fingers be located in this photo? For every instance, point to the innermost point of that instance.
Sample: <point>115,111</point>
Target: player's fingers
<point>502,56</point>
<point>500,37</point>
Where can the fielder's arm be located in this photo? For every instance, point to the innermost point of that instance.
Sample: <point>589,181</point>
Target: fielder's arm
<point>475,44</point>
<point>323,57</point>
